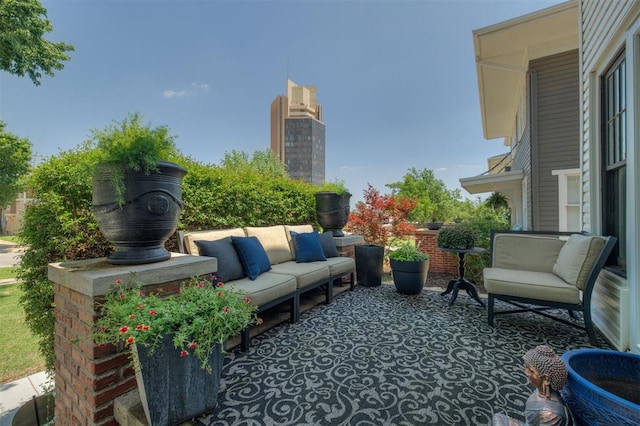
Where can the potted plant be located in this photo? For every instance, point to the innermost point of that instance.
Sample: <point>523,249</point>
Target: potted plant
<point>137,194</point>
<point>332,207</point>
<point>176,343</point>
<point>456,237</point>
<point>379,219</point>
<point>409,268</point>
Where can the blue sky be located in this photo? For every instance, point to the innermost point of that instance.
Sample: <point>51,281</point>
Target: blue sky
<point>397,79</point>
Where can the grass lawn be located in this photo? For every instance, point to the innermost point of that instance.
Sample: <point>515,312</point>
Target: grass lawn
<point>8,272</point>
<point>11,238</point>
<point>20,356</point>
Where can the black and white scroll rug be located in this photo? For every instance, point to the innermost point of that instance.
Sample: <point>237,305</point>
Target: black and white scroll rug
<point>376,357</point>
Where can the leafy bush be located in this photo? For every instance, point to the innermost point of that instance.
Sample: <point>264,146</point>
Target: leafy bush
<point>381,218</point>
<point>456,237</point>
<point>337,186</point>
<point>408,252</point>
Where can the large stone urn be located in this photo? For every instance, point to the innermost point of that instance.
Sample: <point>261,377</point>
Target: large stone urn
<point>148,216</point>
<point>332,211</point>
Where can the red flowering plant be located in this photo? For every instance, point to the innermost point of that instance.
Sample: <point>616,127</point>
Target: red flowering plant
<point>202,314</point>
<point>381,219</point>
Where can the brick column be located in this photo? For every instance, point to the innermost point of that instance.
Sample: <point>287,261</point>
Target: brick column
<point>89,378</point>
<point>439,261</point>
<point>346,247</point>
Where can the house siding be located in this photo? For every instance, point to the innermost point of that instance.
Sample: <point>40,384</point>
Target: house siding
<point>599,22</point>
<point>522,161</point>
<point>556,139</point>
<point>605,27</point>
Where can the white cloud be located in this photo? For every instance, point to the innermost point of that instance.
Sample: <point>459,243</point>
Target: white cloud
<point>441,169</point>
<point>348,168</point>
<point>182,93</point>
<point>200,86</point>
<point>177,93</point>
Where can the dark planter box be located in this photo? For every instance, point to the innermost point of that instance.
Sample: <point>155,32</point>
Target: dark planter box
<point>369,260</point>
<point>174,389</point>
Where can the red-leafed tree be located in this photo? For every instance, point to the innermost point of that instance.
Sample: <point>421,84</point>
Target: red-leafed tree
<point>381,218</point>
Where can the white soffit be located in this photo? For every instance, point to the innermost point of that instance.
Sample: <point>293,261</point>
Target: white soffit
<point>503,52</point>
<point>499,182</point>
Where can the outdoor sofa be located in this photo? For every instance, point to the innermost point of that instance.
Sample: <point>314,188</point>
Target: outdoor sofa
<point>538,271</point>
<point>286,261</point>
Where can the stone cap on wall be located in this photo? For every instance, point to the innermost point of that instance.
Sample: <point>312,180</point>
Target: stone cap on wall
<point>92,277</point>
<point>348,240</point>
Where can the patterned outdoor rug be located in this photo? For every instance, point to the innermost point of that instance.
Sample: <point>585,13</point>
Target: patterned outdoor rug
<point>376,357</point>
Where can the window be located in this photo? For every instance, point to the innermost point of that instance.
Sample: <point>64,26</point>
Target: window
<point>614,160</point>
<point>569,193</point>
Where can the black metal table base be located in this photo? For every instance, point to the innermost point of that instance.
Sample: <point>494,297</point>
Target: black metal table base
<point>458,284</point>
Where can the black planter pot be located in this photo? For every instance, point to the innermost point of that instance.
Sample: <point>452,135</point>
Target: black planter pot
<point>174,389</point>
<point>433,226</point>
<point>38,411</point>
<point>409,277</point>
<point>149,216</point>
<point>369,260</point>
<point>332,211</point>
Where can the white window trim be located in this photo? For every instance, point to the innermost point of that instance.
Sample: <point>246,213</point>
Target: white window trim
<point>563,223</point>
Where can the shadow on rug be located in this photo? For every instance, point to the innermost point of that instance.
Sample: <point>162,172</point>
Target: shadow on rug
<point>376,357</point>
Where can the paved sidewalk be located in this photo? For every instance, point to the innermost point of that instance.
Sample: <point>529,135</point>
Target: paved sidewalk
<point>13,395</point>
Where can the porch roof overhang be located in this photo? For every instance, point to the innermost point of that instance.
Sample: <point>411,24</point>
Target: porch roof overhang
<point>505,182</point>
<point>503,52</point>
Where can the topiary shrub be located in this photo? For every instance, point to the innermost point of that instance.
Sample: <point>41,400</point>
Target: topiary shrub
<point>456,237</point>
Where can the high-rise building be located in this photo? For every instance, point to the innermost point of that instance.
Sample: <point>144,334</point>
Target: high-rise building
<point>297,132</point>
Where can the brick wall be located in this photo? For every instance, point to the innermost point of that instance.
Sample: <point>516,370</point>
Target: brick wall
<point>88,378</point>
<point>439,261</point>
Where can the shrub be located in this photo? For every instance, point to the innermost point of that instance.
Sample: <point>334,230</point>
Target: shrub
<point>456,237</point>
<point>381,218</point>
<point>408,252</point>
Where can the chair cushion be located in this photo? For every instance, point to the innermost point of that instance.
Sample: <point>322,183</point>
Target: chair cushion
<point>308,247</point>
<point>275,242</point>
<point>229,264</point>
<point>252,255</point>
<point>328,245</point>
<point>532,285</point>
<point>525,252</point>
<point>576,258</point>
<point>191,237</point>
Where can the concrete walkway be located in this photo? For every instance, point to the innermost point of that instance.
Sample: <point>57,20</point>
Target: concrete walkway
<point>15,394</point>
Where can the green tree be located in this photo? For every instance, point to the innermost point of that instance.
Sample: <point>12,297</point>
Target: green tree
<point>436,202</point>
<point>15,157</point>
<point>23,48</point>
<point>264,162</point>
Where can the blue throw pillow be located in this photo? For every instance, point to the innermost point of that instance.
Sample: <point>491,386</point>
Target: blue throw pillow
<point>229,265</point>
<point>252,255</point>
<point>308,247</point>
<point>328,244</point>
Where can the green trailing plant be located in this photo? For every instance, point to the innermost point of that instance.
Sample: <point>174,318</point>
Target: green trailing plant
<point>204,313</point>
<point>131,144</point>
<point>337,186</point>
<point>407,251</point>
<point>456,237</point>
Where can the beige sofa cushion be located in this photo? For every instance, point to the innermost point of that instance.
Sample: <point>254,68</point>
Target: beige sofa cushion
<point>300,229</point>
<point>218,234</point>
<point>305,273</point>
<point>275,242</point>
<point>267,287</point>
<point>340,265</point>
<point>525,252</point>
<point>577,257</point>
<point>532,285</point>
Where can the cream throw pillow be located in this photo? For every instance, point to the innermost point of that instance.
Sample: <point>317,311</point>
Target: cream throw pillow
<point>577,257</point>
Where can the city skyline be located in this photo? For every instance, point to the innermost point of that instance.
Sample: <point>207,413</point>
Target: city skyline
<point>398,79</point>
